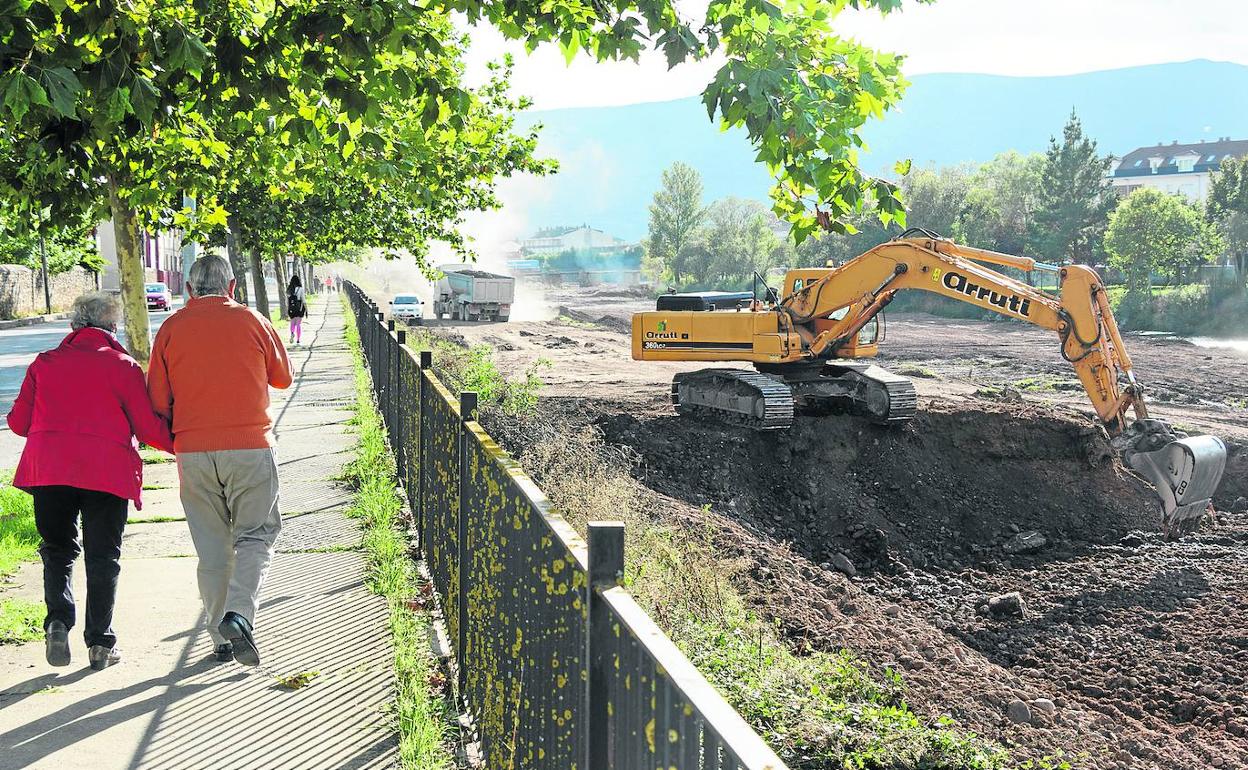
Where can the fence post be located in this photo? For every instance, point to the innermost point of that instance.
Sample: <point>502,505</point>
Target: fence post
<point>467,411</point>
<point>379,331</point>
<point>422,454</point>
<point>400,445</point>
<point>391,360</point>
<point>606,567</point>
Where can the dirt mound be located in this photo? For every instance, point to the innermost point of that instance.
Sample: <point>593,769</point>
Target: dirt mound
<point>1001,560</point>
<point>611,322</point>
<point>955,487</point>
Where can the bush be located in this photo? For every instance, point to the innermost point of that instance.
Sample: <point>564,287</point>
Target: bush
<point>1192,309</point>
<point>472,368</point>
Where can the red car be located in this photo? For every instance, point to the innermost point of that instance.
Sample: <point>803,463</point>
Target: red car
<point>158,297</point>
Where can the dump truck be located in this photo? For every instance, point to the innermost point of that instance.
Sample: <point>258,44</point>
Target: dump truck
<point>465,294</point>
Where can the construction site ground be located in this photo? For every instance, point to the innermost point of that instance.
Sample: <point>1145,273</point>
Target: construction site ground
<point>1121,649</point>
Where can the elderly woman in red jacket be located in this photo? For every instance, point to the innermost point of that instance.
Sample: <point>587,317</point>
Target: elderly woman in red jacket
<point>80,408</point>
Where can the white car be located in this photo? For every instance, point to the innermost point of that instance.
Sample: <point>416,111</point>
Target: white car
<point>408,308</point>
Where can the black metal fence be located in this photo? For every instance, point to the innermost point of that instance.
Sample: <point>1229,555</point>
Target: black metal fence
<point>558,666</point>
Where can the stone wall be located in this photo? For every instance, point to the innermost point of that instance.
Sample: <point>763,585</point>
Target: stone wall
<point>21,290</point>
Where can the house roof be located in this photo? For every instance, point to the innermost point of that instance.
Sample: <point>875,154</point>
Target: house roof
<point>1210,156</point>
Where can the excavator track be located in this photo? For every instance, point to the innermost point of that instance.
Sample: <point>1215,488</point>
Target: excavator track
<point>889,397</point>
<point>864,389</point>
<point>739,396</point>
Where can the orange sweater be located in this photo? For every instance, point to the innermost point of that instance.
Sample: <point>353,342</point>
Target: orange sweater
<point>212,364</point>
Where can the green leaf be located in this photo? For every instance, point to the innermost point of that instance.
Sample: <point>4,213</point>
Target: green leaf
<point>22,92</point>
<point>118,104</point>
<point>902,167</point>
<point>218,216</point>
<point>63,87</point>
<point>144,98</point>
<point>185,52</point>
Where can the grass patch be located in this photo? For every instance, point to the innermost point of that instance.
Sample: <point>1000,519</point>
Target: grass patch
<point>423,718</point>
<point>909,369</point>
<point>567,320</point>
<point>154,487</point>
<point>154,457</point>
<point>20,621</point>
<point>19,540</point>
<point>472,368</point>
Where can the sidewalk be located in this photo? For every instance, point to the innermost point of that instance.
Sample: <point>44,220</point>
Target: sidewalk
<point>168,704</point>
<point>32,320</point>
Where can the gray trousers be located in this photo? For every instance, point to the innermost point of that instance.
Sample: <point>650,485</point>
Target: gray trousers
<point>230,499</point>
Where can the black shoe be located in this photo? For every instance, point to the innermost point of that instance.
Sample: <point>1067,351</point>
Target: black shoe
<point>237,629</point>
<point>56,639</point>
<point>102,657</point>
<point>224,653</point>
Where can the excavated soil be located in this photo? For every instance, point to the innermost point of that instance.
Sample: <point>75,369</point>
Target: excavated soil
<point>1111,645</point>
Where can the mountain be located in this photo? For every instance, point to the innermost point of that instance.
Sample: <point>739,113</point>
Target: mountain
<point>611,157</point>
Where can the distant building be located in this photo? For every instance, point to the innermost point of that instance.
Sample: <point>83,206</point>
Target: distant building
<point>1175,168</point>
<point>162,258</point>
<point>556,240</point>
<point>578,255</point>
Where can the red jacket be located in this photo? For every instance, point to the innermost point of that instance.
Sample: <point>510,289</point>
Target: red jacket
<point>80,408</point>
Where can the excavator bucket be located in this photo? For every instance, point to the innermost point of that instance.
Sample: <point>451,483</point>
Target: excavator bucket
<point>1184,470</point>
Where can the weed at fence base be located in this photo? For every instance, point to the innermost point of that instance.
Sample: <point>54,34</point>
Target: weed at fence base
<point>422,717</point>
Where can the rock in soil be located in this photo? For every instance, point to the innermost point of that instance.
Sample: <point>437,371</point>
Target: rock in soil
<point>1025,542</point>
<point>1018,712</point>
<point>842,563</point>
<point>1007,604</point>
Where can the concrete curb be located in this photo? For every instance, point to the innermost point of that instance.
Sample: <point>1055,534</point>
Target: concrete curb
<point>33,320</point>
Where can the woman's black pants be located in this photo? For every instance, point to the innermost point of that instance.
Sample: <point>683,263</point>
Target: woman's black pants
<point>57,511</point>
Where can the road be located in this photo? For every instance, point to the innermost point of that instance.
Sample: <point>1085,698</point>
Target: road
<point>18,347</point>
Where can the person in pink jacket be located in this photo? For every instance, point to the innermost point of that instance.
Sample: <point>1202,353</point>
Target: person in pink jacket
<point>80,408</point>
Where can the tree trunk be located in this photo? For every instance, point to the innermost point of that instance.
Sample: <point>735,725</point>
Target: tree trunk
<point>257,279</point>
<point>279,271</point>
<point>130,269</point>
<point>234,249</point>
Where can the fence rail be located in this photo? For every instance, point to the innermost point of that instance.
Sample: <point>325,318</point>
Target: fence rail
<point>558,665</point>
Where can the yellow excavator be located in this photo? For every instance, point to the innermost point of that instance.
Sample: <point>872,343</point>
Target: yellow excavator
<point>807,344</point>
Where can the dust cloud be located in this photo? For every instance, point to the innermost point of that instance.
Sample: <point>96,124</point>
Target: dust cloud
<point>493,235</point>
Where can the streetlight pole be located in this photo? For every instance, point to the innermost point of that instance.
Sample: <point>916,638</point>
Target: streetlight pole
<point>47,290</point>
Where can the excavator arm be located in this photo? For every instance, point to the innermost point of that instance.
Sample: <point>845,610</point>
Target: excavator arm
<point>832,306</point>
<point>1081,316</point>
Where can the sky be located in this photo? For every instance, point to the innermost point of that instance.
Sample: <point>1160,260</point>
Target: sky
<point>1000,37</point>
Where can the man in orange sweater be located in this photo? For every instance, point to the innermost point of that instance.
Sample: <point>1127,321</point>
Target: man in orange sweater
<point>212,364</point>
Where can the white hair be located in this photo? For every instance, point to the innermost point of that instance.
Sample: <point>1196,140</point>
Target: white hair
<point>96,309</point>
<point>211,274</point>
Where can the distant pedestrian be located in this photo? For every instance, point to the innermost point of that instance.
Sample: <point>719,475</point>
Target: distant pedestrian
<point>337,282</point>
<point>329,284</point>
<point>296,308</point>
<point>80,408</point>
<point>212,365</point>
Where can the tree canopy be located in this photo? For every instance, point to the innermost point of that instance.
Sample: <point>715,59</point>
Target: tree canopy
<point>1074,199</point>
<point>1155,232</point>
<point>353,118</point>
<point>1227,209</point>
<point>676,213</point>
